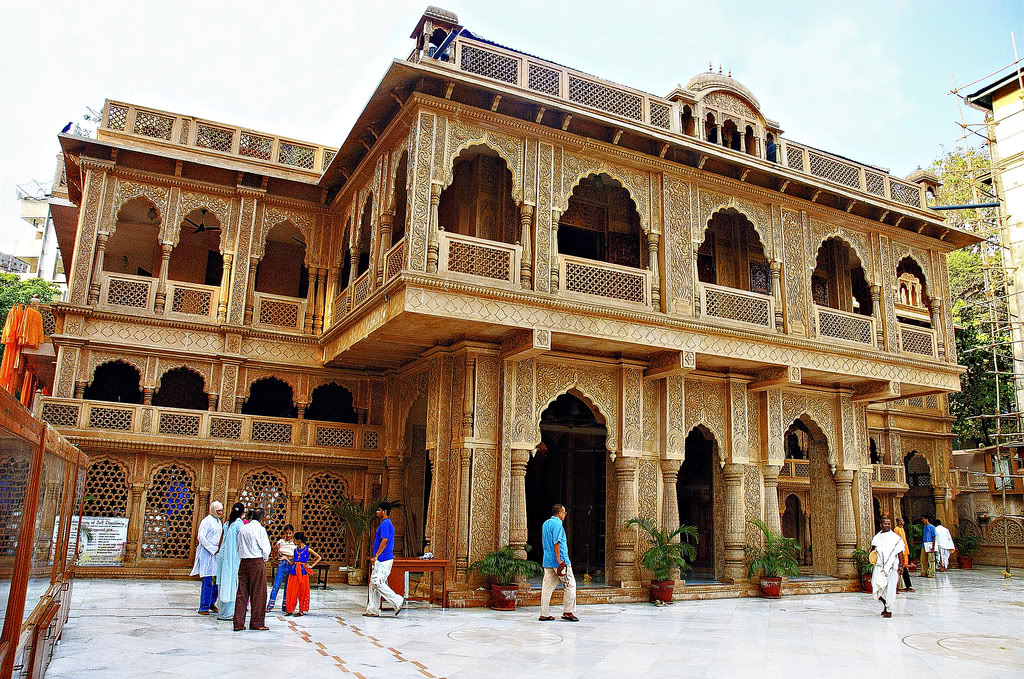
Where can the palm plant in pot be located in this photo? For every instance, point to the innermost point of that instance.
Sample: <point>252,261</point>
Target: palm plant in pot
<point>357,518</point>
<point>666,555</point>
<point>505,570</point>
<point>774,557</point>
<point>966,545</point>
<point>862,561</point>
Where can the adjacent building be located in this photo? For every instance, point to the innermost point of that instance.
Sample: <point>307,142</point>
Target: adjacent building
<point>513,284</point>
<point>36,244</point>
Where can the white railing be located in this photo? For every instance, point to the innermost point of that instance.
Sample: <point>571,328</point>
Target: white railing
<point>394,260</point>
<point>888,475</point>
<point>919,341</point>
<point>192,299</point>
<point>834,324</point>
<point>278,311</point>
<point>588,278</point>
<point>737,306</point>
<point>479,258</point>
<point>202,424</point>
<point>127,291</point>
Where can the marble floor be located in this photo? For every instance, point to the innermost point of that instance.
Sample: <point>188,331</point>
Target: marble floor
<point>963,623</point>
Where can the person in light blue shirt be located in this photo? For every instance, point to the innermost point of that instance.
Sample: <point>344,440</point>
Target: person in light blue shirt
<point>557,567</point>
<point>927,549</point>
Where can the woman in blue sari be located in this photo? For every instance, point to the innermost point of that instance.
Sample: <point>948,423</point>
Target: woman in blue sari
<point>228,562</point>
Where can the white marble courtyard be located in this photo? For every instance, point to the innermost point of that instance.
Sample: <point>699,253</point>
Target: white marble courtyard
<point>964,623</point>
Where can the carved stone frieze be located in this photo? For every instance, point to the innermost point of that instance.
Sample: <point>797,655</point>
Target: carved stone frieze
<point>576,167</point>
<point>820,409</point>
<point>463,135</point>
<point>706,403</point>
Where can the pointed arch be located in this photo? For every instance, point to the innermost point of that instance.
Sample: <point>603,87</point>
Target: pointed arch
<point>507,147</point>
<point>859,247</point>
<point>710,434</point>
<point>724,208</point>
<point>636,185</point>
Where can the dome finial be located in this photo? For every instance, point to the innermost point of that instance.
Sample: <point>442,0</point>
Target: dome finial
<point>709,66</point>
<point>719,69</point>
<point>730,71</point>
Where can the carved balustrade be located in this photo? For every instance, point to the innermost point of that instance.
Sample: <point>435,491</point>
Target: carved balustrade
<point>192,299</point>
<point>394,260</point>
<point>833,324</point>
<point>124,291</point>
<point>720,303</point>
<point>201,424</point>
<point>480,259</point>
<point>889,476</point>
<point>795,471</point>
<point>916,340</point>
<point>210,137</point>
<point>278,312</point>
<point>591,280</point>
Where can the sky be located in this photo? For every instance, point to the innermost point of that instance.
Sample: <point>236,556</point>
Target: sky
<point>869,80</point>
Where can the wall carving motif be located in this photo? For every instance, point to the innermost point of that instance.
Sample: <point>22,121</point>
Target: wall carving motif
<point>420,170</point>
<point>483,529</point>
<point>82,263</point>
<point>651,389</point>
<point>729,103</point>
<point>752,485</point>
<point>889,285</point>
<point>679,257</point>
<point>599,386</point>
<point>706,401</point>
<point>792,233</point>
<point>1012,530</point>
<point>576,167</point>
<point>675,425</point>
<point>241,262</point>
<point>632,408</point>
<point>485,417</point>
<point>462,135</point>
<point>776,428</point>
<point>120,333</point>
<point>754,427</point>
<point>647,497</point>
<point>542,261</point>
<point>820,409</point>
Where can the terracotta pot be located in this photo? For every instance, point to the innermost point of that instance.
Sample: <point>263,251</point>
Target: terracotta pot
<point>771,588</point>
<point>503,597</point>
<point>966,562</point>
<point>357,576</point>
<point>661,590</point>
<point>865,583</point>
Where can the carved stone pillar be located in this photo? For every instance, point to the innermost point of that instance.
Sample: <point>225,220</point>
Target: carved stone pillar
<point>670,500</point>
<point>332,292</point>
<point>517,516</point>
<point>385,244</point>
<point>876,309</point>
<point>161,286</point>
<point>301,407</point>
<point>462,551</point>
<point>94,287</point>
<point>624,564</point>
<point>318,312</point>
<point>846,526</point>
<point>555,216</point>
<point>428,523</point>
<point>526,239</point>
<point>147,396</point>
<point>250,291</point>
<point>353,264</point>
<point>239,402</point>
<point>393,459</point>
<point>652,265</point>
<point>939,493</point>
<point>295,509</point>
<point>212,401</point>
<point>776,269</point>
<point>307,326</point>
<point>80,389</point>
<point>771,498</point>
<point>433,232</point>
<point>136,508</point>
<point>735,535</point>
<point>225,288</point>
<point>467,398</point>
<point>936,308</point>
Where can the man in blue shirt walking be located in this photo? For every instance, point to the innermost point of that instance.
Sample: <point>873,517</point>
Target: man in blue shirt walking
<point>927,549</point>
<point>382,560</point>
<point>557,568</point>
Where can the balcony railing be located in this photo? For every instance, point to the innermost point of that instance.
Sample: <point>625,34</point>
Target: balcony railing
<point>210,137</point>
<point>484,260</point>
<point>546,78</point>
<point>192,299</point>
<point>201,424</point>
<point>124,291</point>
<point>737,306</point>
<point>915,340</point>
<point>278,311</point>
<point>394,260</point>
<point>590,279</point>
<point>796,469</point>
<point>888,476</point>
<point>834,324</point>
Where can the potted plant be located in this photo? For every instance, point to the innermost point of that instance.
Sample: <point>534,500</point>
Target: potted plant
<point>357,519</point>
<point>862,561</point>
<point>774,557</point>
<point>505,571</point>
<point>916,537</point>
<point>966,545</point>
<point>664,555</point>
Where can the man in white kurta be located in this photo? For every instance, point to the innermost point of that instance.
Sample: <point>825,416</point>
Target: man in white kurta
<point>943,545</point>
<point>210,532</point>
<point>886,575</point>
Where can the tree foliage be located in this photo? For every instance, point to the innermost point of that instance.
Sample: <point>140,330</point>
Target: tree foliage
<point>13,291</point>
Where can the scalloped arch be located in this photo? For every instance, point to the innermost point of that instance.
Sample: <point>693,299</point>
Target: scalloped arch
<point>732,205</point>
<point>484,140</point>
<point>841,233</point>
<point>591,403</point>
<point>620,177</point>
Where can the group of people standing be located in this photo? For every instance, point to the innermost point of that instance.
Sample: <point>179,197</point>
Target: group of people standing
<point>231,560</point>
<point>891,558</point>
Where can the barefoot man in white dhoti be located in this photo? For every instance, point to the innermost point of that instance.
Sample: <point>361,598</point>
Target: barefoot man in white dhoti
<point>888,548</point>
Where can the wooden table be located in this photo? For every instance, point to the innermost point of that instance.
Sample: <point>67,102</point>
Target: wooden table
<point>399,578</point>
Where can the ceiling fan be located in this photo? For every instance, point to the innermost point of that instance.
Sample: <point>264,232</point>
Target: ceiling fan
<point>201,226</point>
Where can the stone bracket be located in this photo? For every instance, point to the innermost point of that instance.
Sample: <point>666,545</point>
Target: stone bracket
<point>876,392</point>
<point>775,377</point>
<point>525,344</point>
<point>670,363</point>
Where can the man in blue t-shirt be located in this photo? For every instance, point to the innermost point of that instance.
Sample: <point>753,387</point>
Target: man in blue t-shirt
<point>381,562</point>
<point>557,567</point>
<point>927,549</point>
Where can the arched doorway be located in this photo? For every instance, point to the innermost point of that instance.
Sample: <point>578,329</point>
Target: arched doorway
<point>270,397</point>
<point>182,388</point>
<point>601,223</point>
<point>817,469</point>
<point>794,525</point>
<point>134,247</point>
<point>416,504</point>
<point>695,493</point>
<point>115,381</point>
<point>919,499</point>
<point>479,200</point>
<point>282,270</point>
<point>332,403</point>
<point>197,258</point>
<point>401,198</point>
<point>570,468</point>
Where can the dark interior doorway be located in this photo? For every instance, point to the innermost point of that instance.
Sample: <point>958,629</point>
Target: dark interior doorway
<point>695,494</point>
<point>182,388</point>
<point>114,381</point>
<point>270,397</point>
<point>569,468</point>
<point>794,525</point>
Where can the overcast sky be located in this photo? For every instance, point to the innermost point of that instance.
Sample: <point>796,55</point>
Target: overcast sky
<point>868,80</point>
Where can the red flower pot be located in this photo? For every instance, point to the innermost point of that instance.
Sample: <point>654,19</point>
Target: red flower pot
<point>661,590</point>
<point>771,588</point>
<point>966,562</point>
<point>503,597</point>
<point>865,583</point>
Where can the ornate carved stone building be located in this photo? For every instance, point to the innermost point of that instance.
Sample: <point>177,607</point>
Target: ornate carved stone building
<point>513,284</point>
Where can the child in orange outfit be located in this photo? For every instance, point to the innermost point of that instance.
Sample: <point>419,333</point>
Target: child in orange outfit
<point>298,580</point>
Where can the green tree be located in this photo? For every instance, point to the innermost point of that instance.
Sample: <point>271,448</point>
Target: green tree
<point>13,291</point>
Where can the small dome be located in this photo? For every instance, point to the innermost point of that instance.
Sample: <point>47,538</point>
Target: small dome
<point>709,80</point>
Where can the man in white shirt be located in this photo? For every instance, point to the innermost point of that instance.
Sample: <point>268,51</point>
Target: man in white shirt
<point>943,545</point>
<point>888,546</point>
<point>210,532</point>
<point>253,552</point>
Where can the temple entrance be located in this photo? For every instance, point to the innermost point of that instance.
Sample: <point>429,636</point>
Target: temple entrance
<point>695,495</point>
<point>794,525</point>
<point>416,499</point>
<point>569,468</point>
<point>920,498</point>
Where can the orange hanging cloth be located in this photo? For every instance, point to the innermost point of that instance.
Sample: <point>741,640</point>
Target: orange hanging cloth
<point>31,329</point>
<point>28,387</point>
<point>12,352</point>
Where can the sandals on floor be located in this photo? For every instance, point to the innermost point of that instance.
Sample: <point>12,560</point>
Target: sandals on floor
<point>569,617</point>
<point>546,618</point>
